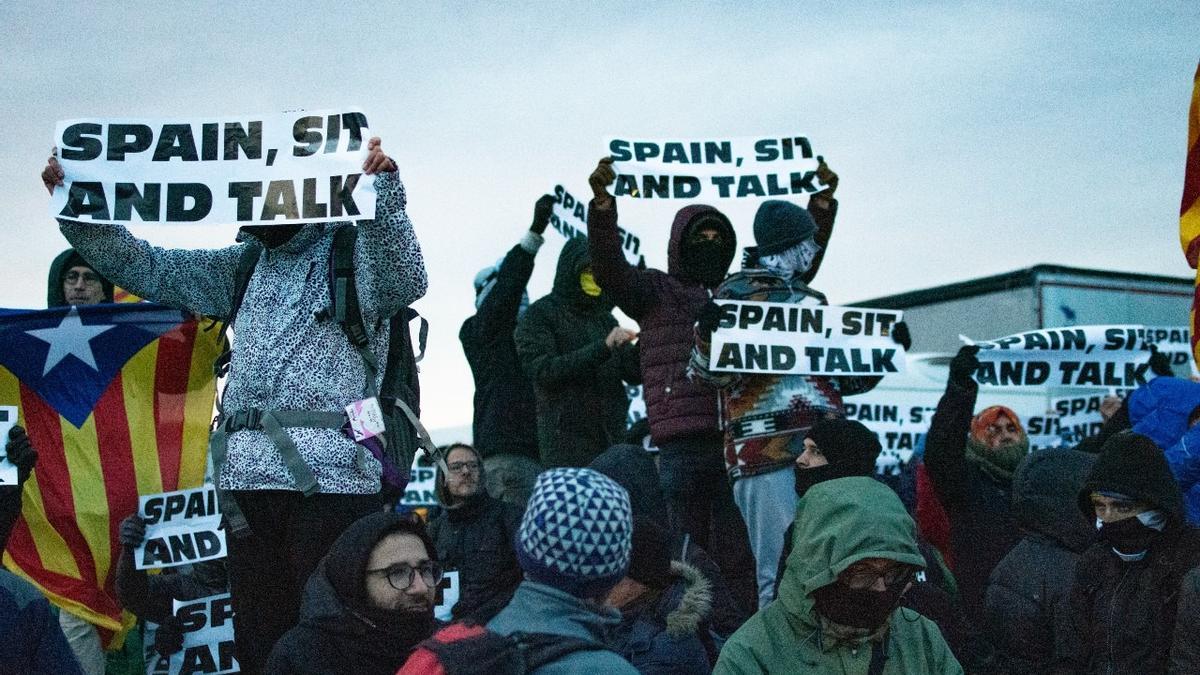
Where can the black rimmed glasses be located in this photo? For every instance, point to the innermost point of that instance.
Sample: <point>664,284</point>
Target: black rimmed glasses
<point>400,577</point>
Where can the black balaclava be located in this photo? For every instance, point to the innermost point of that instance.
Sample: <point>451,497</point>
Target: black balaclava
<point>272,236</point>
<point>707,260</point>
<point>857,607</point>
<point>850,447</point>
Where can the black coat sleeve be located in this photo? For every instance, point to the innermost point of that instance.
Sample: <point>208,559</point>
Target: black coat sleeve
<point>498,313</point>
<point>946,443</point>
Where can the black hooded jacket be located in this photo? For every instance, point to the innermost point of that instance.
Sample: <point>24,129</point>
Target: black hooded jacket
<point>581,400</point>
<point>339,631</point>
<point>58,269</point>
<point>1027,596</point>
<point>1138,616</point>
<point>505,418</point>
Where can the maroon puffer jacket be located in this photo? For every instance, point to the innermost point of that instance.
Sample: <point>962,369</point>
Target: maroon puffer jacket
<point>665,305</point>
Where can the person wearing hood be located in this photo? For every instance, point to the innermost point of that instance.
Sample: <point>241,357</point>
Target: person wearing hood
<point>1167,409</point>
<point>684,423</point>
<point>631,467</point>
<point>839,607</point>
<point>73,281</point>
<point>765,417</point>
<point>504,427</point>
<point>368,604</point>
<point>665,607</point>
<point>577,356</point>
<point>838,448</point>
<point>970,462</point>
<point>299,487</point>
<point>1027,595</point>
<point>574,545</point>
<point>1135,602</point>
<point>473,534</point>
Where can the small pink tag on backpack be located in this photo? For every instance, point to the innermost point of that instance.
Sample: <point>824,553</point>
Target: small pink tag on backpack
<point>366,418</point>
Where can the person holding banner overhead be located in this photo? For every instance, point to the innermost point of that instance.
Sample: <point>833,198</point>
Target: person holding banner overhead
<point>682,412</point>
<point>297,479</point>
<point>766,417</point>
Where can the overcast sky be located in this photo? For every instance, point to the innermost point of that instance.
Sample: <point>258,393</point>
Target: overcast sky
<point>971,138</point>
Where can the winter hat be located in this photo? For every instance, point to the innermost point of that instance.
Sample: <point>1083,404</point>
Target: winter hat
<point>1131,464</point>
<point>650,559</point>
<point>575,535</point>
<point>847,442</point>
<point>988,416</point>
<point>780,225</point>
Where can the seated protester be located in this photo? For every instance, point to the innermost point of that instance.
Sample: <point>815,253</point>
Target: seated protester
<point>574,546</point>
<point>665,608</point>
<point>633,469</point>
<point>843,448</point>
<point>1026,601</point>
<point>970,460</point>
<point>473,534</point>
<point>1131,609</point>
<point>839,606</point>
<point>152,598</point>
<point>368,604</point>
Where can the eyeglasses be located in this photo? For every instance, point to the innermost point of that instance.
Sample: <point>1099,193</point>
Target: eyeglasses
<point>462,467</point>
<point>891,578</point>
<point>85,277</point>
<point>400,577</point>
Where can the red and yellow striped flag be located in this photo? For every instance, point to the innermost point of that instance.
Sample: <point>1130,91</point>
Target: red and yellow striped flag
<point>1189,208</point>
<point>117,400</point>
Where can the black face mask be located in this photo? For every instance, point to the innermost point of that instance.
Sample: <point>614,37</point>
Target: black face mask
<point>706,261</point>
<point>1129,536</point>
<point>857,608</point>
<point>272,236</point>
<point>806,478</point>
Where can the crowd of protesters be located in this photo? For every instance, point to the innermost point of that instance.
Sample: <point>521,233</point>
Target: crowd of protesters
<point>748,533</point>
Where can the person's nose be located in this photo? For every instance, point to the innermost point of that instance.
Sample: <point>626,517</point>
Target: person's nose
<point>879,585</point>
<point>418,585</point>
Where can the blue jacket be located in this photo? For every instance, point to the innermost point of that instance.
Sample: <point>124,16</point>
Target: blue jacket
<point>537,608</point>
<point>1160,409</point>
<point>30,640</point>
<point>663,635</point>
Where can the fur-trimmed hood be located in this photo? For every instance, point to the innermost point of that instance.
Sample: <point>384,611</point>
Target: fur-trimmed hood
<point>694,604</point>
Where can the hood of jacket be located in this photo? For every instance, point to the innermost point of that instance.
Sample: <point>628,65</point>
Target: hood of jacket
<point>54,282</point>
<point>1131,464</point>
<point>573,259</point>
<point>1160,408</point>
<point>689,601</point>
<point>538,608</point>
<point>1045,489</point>
<point>681,227</point>
<point>841,522</point>
<point>633,469</point>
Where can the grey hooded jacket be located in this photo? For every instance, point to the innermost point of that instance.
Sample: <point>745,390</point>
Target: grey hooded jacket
<point>286,358</point>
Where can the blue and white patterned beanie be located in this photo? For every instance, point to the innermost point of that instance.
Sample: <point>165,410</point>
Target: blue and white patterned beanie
<point>575,535</point>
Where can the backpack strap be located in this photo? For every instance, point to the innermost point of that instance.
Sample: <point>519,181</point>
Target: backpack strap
<point>343,303</point>
<point>251,252</point>
<point>539,649</point>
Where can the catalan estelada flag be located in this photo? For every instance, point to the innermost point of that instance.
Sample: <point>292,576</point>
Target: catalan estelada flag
<point>117,400</point>
<point>1189,208</point>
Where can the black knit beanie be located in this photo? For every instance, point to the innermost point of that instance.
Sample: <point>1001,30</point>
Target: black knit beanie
<point>1132,465</point>
<point>780,225</point>
<point>847,442</point>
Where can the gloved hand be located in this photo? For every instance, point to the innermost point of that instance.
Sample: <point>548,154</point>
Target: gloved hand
<point>168,639</point>
<point>964,365</point>
<point>20,452</point>
<point>600,179</point>
<point>1160,363</point>
<point>709,319</point>
<point>541,214</point>
<point>828,177</point>
<point>133,531</point>
<point>901,336</point>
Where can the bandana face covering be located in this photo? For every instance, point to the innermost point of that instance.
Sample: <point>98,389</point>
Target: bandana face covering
<point>796,260</point>
<point>588,283</point>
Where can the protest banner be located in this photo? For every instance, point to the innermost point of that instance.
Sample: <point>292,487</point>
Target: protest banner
<point>714,168</point>
<point>277,168</point>
<point>1068,421</point>
<point>1175,343</point>
<point>8,419</point>
<point>569,218</point>
<point>207,640</point>
<point>421,490</point>
<point>449,590</point>
<point>637,405</point>
<point>899,418</point>
<point>773,338</point>
<point>182,527</point>
<point>1078,356</point>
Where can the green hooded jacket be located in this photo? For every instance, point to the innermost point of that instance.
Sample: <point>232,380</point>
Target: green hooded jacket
<point>845,520</point>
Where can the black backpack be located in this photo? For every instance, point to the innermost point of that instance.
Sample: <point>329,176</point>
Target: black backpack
<point>459,649</point>
<point>400,392</point>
